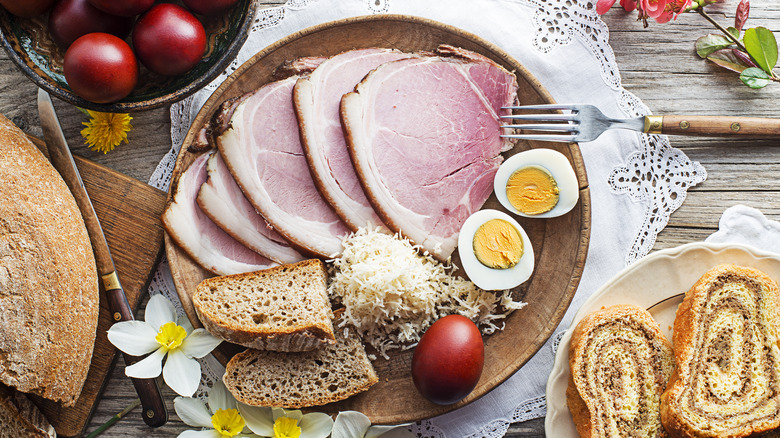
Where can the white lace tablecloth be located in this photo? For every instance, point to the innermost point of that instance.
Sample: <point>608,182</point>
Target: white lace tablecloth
<point>636,181</point>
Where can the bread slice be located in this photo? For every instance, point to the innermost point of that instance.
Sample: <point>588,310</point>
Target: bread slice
<point>284,308</point>
<point>48,280</point>
<point>298,380</point>
<point>19,417</point>
<point>726,344</point>
<point>620,363</point>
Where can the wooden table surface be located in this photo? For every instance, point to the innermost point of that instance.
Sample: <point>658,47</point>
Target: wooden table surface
<point>658,64</point>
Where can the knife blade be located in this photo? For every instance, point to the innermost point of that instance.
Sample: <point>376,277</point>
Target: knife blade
<point>155,413</point>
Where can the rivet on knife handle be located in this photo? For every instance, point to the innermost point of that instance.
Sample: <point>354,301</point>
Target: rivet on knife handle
<point>155,413</point>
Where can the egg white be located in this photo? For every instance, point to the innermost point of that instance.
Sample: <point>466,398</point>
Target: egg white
<point>556,164</point>
<point>488,278</point>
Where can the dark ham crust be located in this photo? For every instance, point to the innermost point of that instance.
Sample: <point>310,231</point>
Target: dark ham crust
<point>219,121</point>
<point>297,67</point>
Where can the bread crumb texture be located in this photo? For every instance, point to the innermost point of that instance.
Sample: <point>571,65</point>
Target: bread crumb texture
<point>48,279</point>
<point>284,308</point>
<point>296,380</point>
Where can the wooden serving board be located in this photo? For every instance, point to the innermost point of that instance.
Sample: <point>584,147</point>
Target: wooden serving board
<point>560,244</point>
<point>129,212</point>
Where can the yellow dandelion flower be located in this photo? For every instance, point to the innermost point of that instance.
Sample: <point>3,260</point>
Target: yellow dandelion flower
<point>105,131</point>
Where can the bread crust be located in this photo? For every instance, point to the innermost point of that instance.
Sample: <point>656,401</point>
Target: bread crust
<point>48,279</point>
<point>686,326</point>
<point>302,379</point>
<point>21,418</point>
<point>309,333</point>
<point>581,407</point>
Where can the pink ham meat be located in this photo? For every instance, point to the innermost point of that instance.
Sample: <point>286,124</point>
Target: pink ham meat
<point>263,151</point>
<point>317,99</point>
<point>222,201</point>
<point>424,136</point>
<point>201,238</point>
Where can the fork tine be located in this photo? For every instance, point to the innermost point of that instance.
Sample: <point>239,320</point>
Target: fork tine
<point>543,117</point>
<point>543,127</point>
<point>542,137</point>
<point>547,106</point>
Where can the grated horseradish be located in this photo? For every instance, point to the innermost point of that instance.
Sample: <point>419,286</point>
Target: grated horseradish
<point>392,294</point>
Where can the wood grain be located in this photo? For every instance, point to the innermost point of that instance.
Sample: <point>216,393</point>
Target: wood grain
<point>560,244</point>
<point>657,64</point>
<point>720,125</point>
<point>129,212</point>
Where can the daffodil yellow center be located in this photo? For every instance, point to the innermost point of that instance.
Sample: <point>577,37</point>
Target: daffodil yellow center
<point>171,335</point>
<point>227,422</point>
<point>286,427</point>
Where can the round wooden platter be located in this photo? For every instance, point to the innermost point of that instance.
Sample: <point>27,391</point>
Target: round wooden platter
<point>560,244</point>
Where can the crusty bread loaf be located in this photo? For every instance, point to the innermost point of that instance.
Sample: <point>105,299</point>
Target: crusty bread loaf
<point>620,363</point>
<point>284,308</point>
<point>19,417</point>
<point>297,380</point>
<point>726,344</point>
<point>48,279</point>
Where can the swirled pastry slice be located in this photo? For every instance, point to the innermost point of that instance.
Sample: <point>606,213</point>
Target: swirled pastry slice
<point>620,363</point>
<point>725,342</point>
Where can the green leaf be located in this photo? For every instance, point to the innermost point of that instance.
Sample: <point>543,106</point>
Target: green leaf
<point>727,58</point>
<point>755,78</point>
<point>762,46</point>
<point>734,32</point>
<point>710,43</point>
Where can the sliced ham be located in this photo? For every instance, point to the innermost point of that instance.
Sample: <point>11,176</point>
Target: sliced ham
<point>263,151</point>
<point>317,99</point>
<point>222,201</point>
<point>201,238</point>
<point>424,136</point>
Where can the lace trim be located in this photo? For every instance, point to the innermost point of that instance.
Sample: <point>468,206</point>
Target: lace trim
<point>557,21</point>
<point>665,190</point>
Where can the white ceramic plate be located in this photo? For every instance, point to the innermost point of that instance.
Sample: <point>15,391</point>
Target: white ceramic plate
<point>658,281</point>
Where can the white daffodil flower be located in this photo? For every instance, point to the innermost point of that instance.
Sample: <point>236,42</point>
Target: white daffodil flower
<point>162,334</point>
<point>281,423</point>
<point>220,419</point>
<point>353,424</point>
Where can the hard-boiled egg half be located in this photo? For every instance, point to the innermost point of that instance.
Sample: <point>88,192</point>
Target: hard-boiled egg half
<point>495,251</point>
<point>537,183</point>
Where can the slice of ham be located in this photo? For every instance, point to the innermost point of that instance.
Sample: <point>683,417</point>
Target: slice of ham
<point>263,151</point>
<point>222,201</point>
<point>424,136</point>
<point>317,99</point>
<point>201,238</point>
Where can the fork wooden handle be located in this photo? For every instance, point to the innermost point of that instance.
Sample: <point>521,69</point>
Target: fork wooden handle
<point>712,125</point>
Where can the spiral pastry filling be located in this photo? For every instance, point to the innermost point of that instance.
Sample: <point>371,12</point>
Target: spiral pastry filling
<point>620,365</point>
<point>728,356</point>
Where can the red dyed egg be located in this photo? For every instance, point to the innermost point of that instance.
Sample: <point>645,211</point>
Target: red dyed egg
<point>70,19</point>
<point>123,8</point>
<point>100,68</point>
<point>448,360</point>
<point>169,40</point>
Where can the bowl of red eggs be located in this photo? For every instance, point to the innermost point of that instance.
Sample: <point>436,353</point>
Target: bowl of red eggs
<point>123,55</point>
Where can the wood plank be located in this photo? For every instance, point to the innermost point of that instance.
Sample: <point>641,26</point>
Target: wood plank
<point>129,212</point>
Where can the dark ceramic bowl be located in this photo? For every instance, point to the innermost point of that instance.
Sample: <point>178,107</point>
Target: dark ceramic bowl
<point>27,42</point>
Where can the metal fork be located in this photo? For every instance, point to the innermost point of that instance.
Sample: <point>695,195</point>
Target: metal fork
<point>587,123</point>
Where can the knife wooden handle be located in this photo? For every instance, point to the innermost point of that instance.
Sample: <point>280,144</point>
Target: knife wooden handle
<point>155,414</point>
<point>719,125</point>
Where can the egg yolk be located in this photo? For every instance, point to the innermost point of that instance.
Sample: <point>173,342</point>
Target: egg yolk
<point>532,190</point>
<point>498,244</point>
